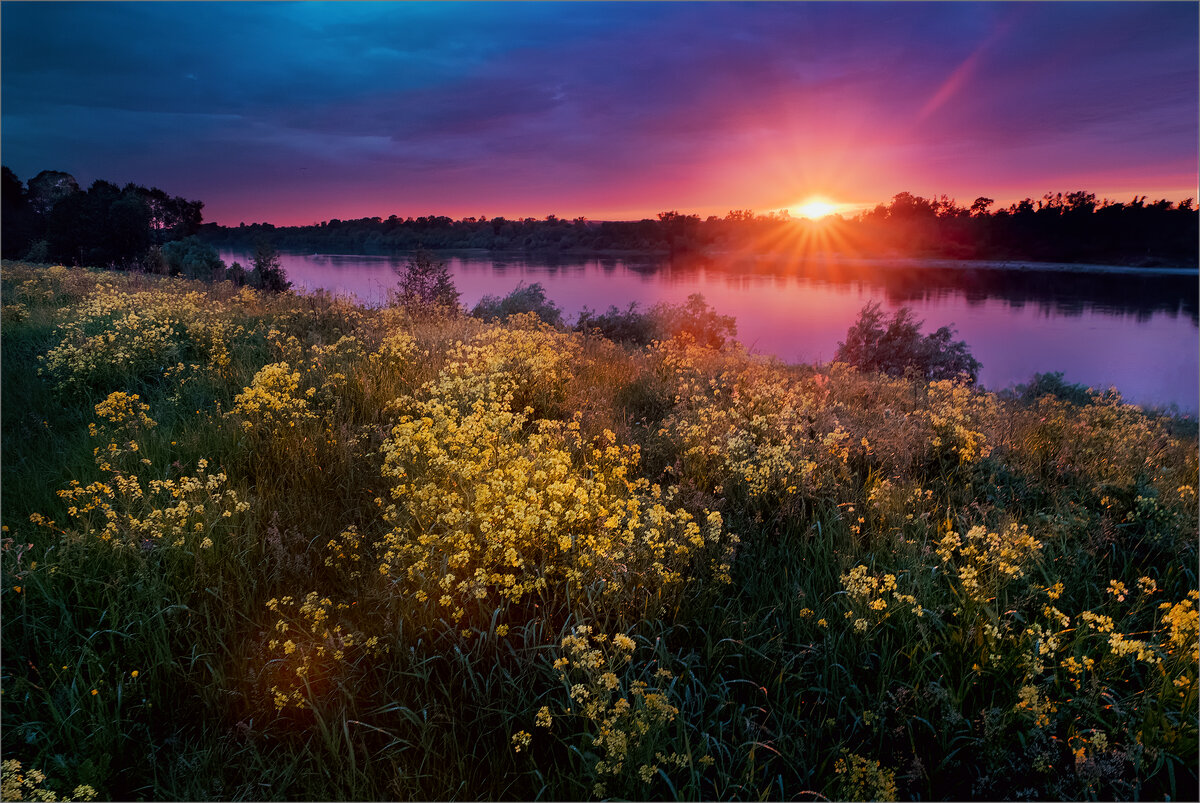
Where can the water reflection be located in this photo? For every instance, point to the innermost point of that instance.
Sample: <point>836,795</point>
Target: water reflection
<point>1135,331</point>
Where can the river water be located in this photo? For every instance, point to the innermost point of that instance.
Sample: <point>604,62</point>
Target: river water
<point>1135,331</point>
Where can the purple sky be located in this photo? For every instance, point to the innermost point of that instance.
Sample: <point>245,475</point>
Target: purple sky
<point>295,113</point>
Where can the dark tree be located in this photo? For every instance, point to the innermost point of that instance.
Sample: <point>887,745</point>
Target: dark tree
<point>425,285</point>
<point>896,347</point>
<point>102,227</point>
<point>49,187</point>
<point>267,271</point>
<point>17,217</point>
<point>524,299</point>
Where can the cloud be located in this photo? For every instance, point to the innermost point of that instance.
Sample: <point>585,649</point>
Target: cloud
<point>546,104</point>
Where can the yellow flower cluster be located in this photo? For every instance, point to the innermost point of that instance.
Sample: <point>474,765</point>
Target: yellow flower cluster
<point>113,336</point>
<point>863,779</point>
<point>626,720</point>
<point>17,783</point>
<point>309,645</point>
<point>190,513</point>
<point>488,511</point>
<point>876,596</point>
<point>959,416</point>
<point>125,410</point>
<point>492,507</point>
<point>273,401</point>
<point>53,285</point>
<point>523,363</point>
<point>1031,703</point>
<point>754,427</point>
<point>986,561</point>
<point>1181,622</point>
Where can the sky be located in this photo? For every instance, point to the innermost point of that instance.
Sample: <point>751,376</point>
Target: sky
<point>294,113</point>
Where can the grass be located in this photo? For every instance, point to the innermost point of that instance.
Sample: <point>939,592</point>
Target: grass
<point>833,584</point>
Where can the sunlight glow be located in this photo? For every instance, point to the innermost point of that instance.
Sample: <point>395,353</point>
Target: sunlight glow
<point>815,208</point>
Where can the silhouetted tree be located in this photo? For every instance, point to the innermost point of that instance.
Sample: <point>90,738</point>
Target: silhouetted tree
<point>981,205</point>
<point>267,271</point>
<point>894,347</point>
<point>425,285</point>
<point>49,187</point>
<point>18,218</point>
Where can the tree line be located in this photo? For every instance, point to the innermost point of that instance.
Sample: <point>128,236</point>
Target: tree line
<point>1071,227</point>
<point>49,218</point>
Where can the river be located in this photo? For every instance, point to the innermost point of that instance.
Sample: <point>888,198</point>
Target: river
<point>1136,331</point>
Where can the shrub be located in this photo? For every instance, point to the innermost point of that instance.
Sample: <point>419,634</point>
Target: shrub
<point>1052,384</point>
<point>194,259</point>
<point>425,286</point>
<point>895,346</point>
<point>523,299</point>
<point>661,322</point>
<point>267,272</point>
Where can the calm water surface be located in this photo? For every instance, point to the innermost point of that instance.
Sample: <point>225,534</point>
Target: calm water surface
<point>1137,332</point>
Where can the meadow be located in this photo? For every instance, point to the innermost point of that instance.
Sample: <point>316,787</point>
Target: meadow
<point>281,546</point>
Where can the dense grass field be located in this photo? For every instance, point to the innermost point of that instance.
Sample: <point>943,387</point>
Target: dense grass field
<point>286,547</point>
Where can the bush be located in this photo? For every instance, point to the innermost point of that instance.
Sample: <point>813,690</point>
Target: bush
<point>267,273</point>
<point>524,299</point>
<point>194,259</point>
<point>425,285</point>
<point>896,346</point>
<point>38,252</point>
<point>661,322</point>
<point>1052,384</point>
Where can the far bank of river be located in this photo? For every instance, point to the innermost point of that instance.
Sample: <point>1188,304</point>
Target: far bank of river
<point>1132,328</point>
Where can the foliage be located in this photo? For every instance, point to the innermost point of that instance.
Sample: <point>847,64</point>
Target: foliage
<point>266,272</point>
<point>194,259</point>
<point>663,321</point>
<point>104,225</point>
<point>1052,384</point>
<point>895,346</point>
<point>233,519</point>
<point>425,286</point>
<point>524,299</point>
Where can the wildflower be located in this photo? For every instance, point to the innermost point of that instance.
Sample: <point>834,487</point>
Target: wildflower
<point>521,740</point>
<point>133,674</point>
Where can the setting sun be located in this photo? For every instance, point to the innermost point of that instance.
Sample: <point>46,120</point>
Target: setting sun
<point>815,208</point>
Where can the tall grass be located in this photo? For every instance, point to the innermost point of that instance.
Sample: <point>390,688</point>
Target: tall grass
<point>279,546</point>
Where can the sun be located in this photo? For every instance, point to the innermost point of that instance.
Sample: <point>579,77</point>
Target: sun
<point>815,208</point>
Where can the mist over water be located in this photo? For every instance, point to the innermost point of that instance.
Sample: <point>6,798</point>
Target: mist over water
<point>1137,332</point>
